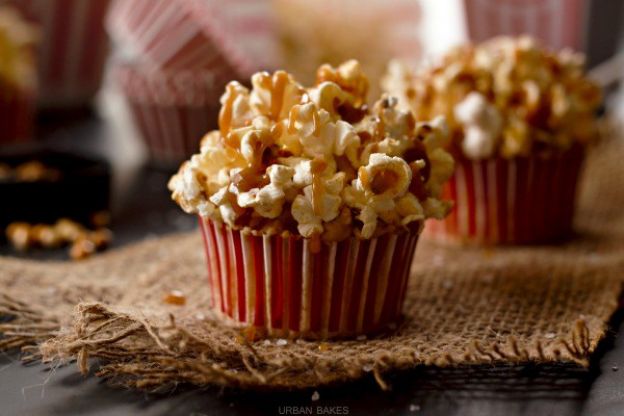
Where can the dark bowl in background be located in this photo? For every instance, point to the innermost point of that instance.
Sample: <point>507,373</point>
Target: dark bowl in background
<point>82,188</point>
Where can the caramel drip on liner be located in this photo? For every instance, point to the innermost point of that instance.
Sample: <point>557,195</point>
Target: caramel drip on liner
<point>317,166</point>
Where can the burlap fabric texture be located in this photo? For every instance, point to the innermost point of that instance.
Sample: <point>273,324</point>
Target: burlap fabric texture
<point>464,306</point>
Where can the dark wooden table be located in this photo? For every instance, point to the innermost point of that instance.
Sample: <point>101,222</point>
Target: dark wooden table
<point>143,209</point>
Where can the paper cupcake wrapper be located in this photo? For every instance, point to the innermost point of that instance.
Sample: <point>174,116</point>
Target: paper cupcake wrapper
<point>233,37</point>
<point>521,200</point>
<point>73,48</point>
<point>554,22</point>
<point>171,110</point>
<point>279,287</point>
<point>17,113</point>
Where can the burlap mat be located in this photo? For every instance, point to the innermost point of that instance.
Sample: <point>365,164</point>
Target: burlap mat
<point>465,306</point>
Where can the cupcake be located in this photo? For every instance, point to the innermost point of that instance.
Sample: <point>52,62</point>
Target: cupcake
<point>18,78</point>
<point>311,203</point>
<point>171,110</point>
<point>72,51</point>
<point>520,119</point>
<point>196,34</point>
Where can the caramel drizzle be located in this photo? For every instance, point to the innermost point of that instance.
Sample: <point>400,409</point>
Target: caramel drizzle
<point>317,166</point>
<point>294,113</point>
<point>315,243</point>
<point>277,85</point>
<point>225,115</point>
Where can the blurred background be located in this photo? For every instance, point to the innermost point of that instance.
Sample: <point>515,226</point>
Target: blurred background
<point>100,100</point>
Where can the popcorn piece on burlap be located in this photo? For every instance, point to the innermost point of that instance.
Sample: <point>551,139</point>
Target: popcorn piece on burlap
<point>465,306</point>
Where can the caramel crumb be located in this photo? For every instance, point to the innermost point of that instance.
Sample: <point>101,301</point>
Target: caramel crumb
<point>323,346</point>
<point>69,230</point>
<point>18,234</point>
<point>45,236</point>
<point>101,238</point>
<point>81,249</point>
<point>175,297</point>
<point>30,171</point>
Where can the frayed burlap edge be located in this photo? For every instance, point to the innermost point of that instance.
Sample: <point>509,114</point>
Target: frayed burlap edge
<point>164,362</point>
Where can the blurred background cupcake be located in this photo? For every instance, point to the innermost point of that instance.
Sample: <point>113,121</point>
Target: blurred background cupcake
<point>172,59</point>
<point>18,80</point>
<point>72,51</point>
<point>325,31</point>
<point>171,109</point>
<point>521,117</point>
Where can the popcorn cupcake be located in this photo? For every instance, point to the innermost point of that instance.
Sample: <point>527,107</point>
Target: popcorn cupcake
<point>520,119</point>
<point>311,204</point>
<point>18,78</point>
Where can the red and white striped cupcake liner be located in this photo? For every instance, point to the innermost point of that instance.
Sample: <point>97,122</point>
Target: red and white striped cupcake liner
<point>72,50</point>
<point>511,201</point>
<point>281,288</point>
<point>171,110</point>
<point>554,22</point>
<point>234,36</point>
<point>17,113</point>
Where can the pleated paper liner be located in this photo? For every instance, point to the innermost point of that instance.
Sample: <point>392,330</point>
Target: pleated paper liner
<point>283,287</point>
<point>172,110</point>
<point>464,307</point>
<point>196,34</point>
<point>559,24</point>
<point>511,201</point>
<point>73,48</point>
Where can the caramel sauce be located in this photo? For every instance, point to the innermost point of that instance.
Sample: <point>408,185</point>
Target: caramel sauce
<point>276,131</point>
<point>317,124</point>
<point>326,73</point>
<point>384,180</point>
<point>317,166</point>
<point>279,82</point>
<point>363,176</point>
<point>225,114</point>
<point>411,122</point>
<point>249,178</point>
<point>344,165</point>
<point>315,243</point>
<point>292,116</point>
<point>231,140</point>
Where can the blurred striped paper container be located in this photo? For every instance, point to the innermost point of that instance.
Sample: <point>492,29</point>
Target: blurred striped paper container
<point>556,23</point>
<point>525,200</point>
<point>196,34</point>
<point>17,112</point>
<point>172,110</point>
<point>282,287</point>
<point>73,48</point>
